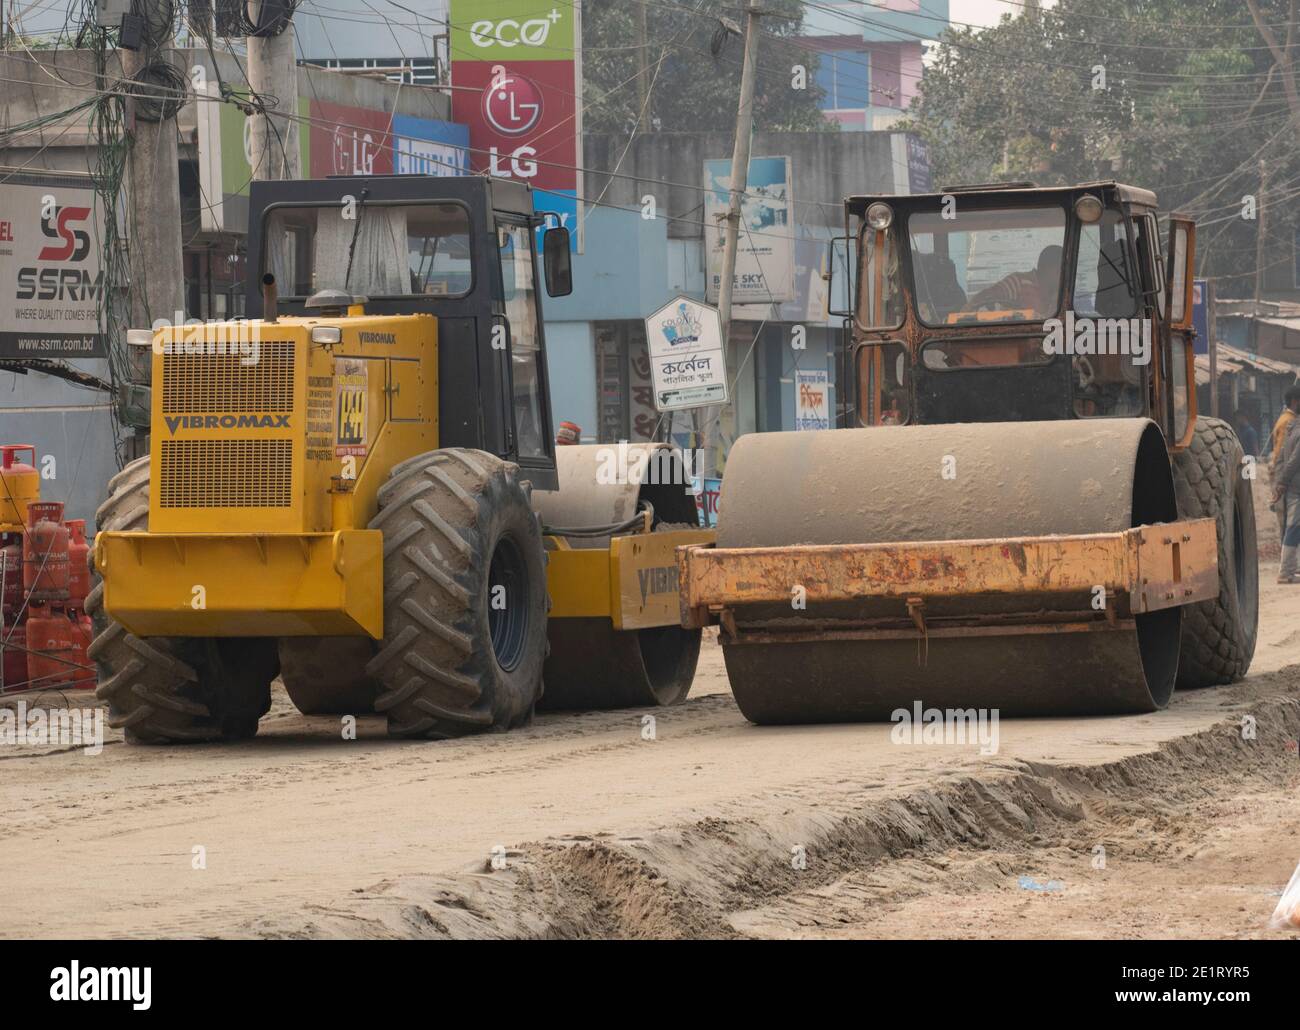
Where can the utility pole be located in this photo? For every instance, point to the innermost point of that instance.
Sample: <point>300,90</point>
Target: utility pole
<point>739,183</point>
<point>642,69</point>
<point>273,78</point>
<point>153,176</point>
<point>1262,211</point>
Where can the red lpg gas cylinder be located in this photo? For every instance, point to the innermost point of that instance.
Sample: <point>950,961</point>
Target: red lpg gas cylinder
<point>45,552</point>
<point>82,634</point>
<point>20,486</point>
<point>78,567</point>
<point>50,647</point>
<point>15,655</point>
<point>11,572</point>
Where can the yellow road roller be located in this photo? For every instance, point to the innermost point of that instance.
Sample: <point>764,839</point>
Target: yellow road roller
<point>1020,508</point>
<point>357,489</point>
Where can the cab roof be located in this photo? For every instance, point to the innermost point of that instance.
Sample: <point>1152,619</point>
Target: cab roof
<point>857,204</point>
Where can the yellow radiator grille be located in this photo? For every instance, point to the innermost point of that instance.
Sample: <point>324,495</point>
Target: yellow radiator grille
<point>226,474</point>
<point>221,382</point>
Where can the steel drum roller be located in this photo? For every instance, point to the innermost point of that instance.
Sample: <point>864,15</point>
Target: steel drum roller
<point>591,664</point>
<point>935,483</point>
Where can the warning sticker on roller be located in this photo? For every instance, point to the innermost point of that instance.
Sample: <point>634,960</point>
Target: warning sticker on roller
<point>351,388</point>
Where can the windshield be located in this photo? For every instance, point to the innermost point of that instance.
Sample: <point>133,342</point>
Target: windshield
<point>1104,285</point>
<point>395,250</point>
<point>993,265</point>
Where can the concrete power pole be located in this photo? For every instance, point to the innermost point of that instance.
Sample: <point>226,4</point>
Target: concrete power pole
<point>273,77</point>
<point>153,177</point>
<point>642,70</point>
<point>739,183</point>
<point>1260,250</point>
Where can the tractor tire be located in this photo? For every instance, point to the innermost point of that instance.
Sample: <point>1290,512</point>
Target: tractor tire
<point>464,596</point>
<point>327,675</point>
<point>1219,635</point>
<point>165,690</point>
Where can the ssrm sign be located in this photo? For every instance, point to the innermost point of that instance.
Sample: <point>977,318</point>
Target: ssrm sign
<point>51,237</point>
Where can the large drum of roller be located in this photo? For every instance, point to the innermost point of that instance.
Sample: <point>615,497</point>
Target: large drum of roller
<point>935,483</point>
<point>591,664</point>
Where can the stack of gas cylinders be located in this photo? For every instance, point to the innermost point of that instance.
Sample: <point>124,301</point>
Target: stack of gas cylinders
<point>44,578</point>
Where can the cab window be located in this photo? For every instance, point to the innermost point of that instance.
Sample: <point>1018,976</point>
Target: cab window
<point>1105,284</point>
<point>880,299</point>
<point>1148,248</point>
<point>1107,290</point>
<point>882,385</point>
<point>369,249</point>
<point>515,245</point>
<point>991,265</point>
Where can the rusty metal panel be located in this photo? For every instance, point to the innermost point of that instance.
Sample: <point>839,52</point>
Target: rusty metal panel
<point>1177,563</point>
<point>1027,565</point>
<point>845,572</point>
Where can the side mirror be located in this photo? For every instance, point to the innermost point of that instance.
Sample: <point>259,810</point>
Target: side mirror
<point>839,302</point>
<point>557,262</point>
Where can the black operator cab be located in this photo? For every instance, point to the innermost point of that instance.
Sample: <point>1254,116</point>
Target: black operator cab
<point>1011,302</point>
<point>462,248</point>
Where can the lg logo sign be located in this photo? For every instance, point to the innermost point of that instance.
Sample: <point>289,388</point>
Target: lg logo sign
<point>512,105</point>
<point>354,152</point>
<point>510,33</point>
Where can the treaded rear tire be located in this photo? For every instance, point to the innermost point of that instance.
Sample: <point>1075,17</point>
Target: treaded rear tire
<point>168,690</point>
<point>1219,636</point>
<point>446,516</point>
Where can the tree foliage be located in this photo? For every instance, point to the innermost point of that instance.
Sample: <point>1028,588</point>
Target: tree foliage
<point>1181,98</point>
<point>693,89</point>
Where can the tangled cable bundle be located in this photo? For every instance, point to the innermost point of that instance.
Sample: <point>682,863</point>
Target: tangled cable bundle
<point>233,17</point>
<point>159,91</point>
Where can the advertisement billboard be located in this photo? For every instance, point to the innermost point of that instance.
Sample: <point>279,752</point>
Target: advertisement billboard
<point>333,139</point>
<point>765,246</point>
<point>687,365</point>
<point>516,83</point>
<point>812,407</point>
<point>51,239</point>
<point>919,179</point>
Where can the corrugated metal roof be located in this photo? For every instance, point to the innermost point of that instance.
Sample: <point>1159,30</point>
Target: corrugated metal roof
<point>1233,360</point>
<point>1292,324</point>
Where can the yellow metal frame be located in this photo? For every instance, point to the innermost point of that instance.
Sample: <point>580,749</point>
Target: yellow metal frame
<point>244,584</point>
<point>1158,566</point>
<point>634,583</point>
<point>399,355</point>
<point>306,566</point>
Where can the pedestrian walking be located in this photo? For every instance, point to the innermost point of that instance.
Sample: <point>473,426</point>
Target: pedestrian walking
<point>1286,494</point>
<point>1291,405</point>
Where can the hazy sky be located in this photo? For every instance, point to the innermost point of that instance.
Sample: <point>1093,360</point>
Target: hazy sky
<point>983,12</point>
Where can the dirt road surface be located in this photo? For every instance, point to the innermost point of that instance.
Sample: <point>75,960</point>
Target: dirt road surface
<point>1164,825</point>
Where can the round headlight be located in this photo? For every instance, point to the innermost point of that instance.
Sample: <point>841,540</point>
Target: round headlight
<point>1088,208</point>
<point>880,216</point>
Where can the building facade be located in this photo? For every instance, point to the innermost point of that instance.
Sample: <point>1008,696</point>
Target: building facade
<point>870,56</point>
<point>347,124</point>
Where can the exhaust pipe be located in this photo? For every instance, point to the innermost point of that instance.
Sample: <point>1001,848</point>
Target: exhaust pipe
<point>270,298</point>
